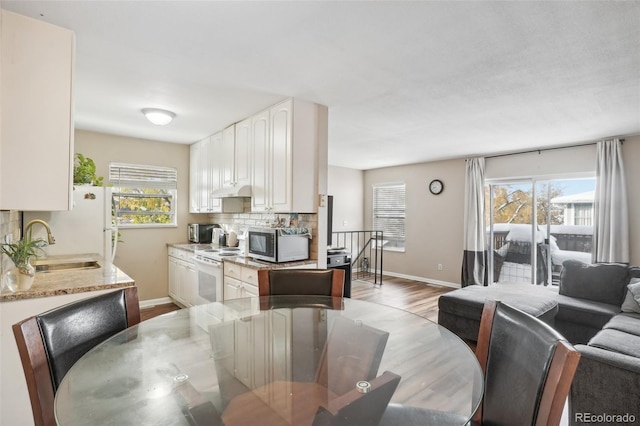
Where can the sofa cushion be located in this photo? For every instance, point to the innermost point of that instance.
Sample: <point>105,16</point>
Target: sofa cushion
<point>602,282</point>
<point>632,299</point>
<point>584,311</point>
<point>629,323</point>
<point>468,302</point>
<point>617,341</point>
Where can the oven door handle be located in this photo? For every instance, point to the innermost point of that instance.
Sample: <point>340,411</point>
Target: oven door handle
<point>211,264</point>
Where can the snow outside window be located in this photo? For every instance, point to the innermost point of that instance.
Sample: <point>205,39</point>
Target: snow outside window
<point>143,196</point>
<point>389,208</point>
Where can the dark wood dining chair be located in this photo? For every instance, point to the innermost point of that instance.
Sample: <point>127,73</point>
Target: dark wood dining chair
<point>527,370</point>
<point>358,408</point>
<point>288,282</point>
<point>50,343</point>
<point>353,352</point>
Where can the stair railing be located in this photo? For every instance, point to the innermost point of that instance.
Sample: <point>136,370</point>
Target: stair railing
<point>366,253</point>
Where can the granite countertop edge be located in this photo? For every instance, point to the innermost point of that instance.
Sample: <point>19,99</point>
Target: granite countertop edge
<point>72,281</point>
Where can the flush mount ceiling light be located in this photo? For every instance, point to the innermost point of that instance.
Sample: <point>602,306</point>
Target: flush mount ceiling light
<point>159,117</point>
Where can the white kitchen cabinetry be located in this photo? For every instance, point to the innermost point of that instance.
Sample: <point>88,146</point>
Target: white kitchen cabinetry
<point>183,279</point>
<point>236,158</point>
<point>205,176</point>
<point>287,140</point>
<point>36,139</point>
<point>194,177</point>
<point>239,281</point>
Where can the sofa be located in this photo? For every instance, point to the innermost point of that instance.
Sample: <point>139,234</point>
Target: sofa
<point>597,308</point>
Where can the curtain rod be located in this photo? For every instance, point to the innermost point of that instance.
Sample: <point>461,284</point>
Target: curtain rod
<point>546,149</point>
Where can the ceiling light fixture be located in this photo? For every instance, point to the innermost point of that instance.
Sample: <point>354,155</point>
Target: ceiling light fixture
<point>159,117</point>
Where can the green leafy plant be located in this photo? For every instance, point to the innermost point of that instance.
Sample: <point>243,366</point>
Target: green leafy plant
<point>23,250</point>
<point>84,171</point>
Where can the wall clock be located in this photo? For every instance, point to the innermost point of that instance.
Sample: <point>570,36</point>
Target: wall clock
<point>436,186</point>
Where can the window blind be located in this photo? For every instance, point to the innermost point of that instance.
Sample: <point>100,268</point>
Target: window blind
<point>140,176</point>
<point>389,205</point>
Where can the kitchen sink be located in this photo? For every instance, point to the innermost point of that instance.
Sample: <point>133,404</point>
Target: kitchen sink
<point>42,266</point>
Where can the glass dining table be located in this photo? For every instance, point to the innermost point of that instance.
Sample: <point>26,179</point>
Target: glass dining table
<point>272,360</point>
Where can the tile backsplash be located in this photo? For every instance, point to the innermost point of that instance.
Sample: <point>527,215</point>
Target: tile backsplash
<point>239,222</point>
<point>9,227</point>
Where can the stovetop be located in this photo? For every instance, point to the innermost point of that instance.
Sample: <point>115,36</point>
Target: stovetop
<point>217,253</point>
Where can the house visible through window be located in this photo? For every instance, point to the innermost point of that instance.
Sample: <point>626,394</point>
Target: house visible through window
<point>143,196</point>
<point>389,205</point>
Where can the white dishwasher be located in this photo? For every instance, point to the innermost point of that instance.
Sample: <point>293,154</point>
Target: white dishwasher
<point>210,276</point>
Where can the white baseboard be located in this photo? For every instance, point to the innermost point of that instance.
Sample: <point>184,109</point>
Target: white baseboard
<point>423,280</point>
<point>153,302</point>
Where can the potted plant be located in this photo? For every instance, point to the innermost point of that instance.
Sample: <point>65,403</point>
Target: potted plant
<point>21,277</point>
<point>84,171</point>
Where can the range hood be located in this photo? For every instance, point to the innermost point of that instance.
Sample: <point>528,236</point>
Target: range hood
<point>242,191</point>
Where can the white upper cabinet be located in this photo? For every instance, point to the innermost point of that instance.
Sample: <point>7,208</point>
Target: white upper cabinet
<point>215,171</point>
<point>36,140</point>
<point>205,173</point>
<point>194,178</point>
<point>260,147</point>
<point>287,140</point>
<point>242,159</point>
<point>278,152</point>
<point>228,155</point>
<point>236,161</point>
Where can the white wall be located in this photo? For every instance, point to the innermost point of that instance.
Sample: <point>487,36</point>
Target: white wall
<point>433,223</point>
<point>347,187</point>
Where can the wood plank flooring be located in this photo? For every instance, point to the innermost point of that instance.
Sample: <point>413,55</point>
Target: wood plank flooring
<point>412,296</point>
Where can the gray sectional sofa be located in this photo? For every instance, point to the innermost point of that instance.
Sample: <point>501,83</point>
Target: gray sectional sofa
<point>595,309</point>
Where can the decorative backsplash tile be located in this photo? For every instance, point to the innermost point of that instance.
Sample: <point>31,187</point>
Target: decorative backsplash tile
<point>239,222</point>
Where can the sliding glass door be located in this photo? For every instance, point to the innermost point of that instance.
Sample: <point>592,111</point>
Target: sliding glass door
<point>536,224</point>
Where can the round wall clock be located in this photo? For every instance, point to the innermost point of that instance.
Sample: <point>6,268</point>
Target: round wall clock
<point>436,186</point>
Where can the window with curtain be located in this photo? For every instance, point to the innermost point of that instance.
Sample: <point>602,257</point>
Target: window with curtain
<point>389,208</point>
<point>143,196</point>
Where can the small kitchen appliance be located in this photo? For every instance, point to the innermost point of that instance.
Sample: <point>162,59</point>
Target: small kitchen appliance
<point>201,233</point>
<point>278,244</point>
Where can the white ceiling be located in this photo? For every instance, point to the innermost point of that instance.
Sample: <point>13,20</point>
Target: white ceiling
<point>405,82</point>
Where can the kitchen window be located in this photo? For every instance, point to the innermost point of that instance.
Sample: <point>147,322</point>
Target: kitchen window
<point>143,196</point>
<point>389,208</point>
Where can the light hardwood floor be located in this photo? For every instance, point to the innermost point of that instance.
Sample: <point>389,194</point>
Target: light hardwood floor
<point>412,296</point>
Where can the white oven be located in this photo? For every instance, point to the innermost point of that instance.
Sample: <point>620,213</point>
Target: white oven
<point>210,277</point>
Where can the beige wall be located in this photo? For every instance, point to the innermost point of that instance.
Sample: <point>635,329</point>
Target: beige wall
<point>347,187</point>
<point>433,223</point>
<point>143,254</point>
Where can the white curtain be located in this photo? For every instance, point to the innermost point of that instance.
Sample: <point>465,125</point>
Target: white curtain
<point>611,224</point>
<point>474,261</point>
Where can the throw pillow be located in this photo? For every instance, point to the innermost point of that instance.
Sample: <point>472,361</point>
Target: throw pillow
<point>601,282</point>
<point>632,300</point>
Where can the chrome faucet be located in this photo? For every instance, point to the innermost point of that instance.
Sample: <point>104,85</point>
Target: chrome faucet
<point>27,230</point>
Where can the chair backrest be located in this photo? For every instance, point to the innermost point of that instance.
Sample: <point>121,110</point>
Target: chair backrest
<point>353,352</point>
<point>50,343</point>
<point>318,282</point>
<point>528,368</point>
<point>357,408</point>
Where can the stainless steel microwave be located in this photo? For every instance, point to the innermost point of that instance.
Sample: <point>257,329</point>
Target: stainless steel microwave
<point>201,233</point>
<point>271,245</point>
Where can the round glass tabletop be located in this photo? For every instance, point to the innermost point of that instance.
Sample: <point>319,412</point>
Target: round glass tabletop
<point>272,360</point>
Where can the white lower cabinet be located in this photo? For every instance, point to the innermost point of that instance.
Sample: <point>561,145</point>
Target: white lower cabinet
<point>239,281</point>
<point>262,346</point>
<point>183,278</point>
